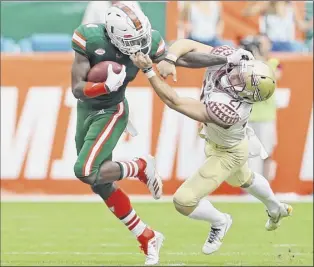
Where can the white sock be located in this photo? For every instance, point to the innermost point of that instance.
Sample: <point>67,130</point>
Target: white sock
<point>205,211</point>
<point>134,223</point>
<point>260,189</point>
<point>129,168</point>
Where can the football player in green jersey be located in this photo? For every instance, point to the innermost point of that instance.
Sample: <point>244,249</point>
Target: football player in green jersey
<point>102,114</point>
<point>102,111</point>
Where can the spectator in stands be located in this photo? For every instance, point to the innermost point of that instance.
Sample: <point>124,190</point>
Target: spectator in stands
<point>202,22</point>
<point>309,17</point>
<point>278,20</point>
<point>95,10</point>
<point>263,116</point>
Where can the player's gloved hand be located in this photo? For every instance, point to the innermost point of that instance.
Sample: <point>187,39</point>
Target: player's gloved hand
<point>166,68</point>
<point>238,55</point>
<point>114,81</point>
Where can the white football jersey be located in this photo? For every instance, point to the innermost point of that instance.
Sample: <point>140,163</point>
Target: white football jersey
<point>229,115</point>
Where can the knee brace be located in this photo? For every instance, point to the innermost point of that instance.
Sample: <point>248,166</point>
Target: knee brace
<point>103,190</point>
<point>185,201</point>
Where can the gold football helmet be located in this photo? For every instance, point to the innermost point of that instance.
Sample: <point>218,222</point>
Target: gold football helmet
<point>250,81</point>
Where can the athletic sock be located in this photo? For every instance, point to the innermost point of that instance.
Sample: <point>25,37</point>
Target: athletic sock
<point>119,203</point>
<point>261,189</point>
<point>205,211</point>
<point>131,168</point>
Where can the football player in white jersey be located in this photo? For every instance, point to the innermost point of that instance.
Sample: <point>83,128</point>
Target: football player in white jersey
<point>228,92</point>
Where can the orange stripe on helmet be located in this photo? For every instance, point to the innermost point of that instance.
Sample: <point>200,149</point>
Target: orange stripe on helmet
<point>137,23</point>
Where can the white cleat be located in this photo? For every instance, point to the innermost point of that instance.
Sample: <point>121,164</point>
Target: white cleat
<point>274,221</point>
<point>151,178</point>
<point>152,247</point>
<point>216,235</point>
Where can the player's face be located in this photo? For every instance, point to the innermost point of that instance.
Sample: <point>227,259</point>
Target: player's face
<point>235,79</point>
<point>234,82</point>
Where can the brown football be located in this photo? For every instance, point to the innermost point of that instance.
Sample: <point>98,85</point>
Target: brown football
<point>99,72</point>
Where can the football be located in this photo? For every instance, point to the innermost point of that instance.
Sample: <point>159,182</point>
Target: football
<point>99,72</point>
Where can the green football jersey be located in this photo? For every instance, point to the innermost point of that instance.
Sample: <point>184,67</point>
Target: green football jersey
<point>92,41</point>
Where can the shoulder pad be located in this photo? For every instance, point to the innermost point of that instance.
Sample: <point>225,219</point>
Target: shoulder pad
<point>158,46</point>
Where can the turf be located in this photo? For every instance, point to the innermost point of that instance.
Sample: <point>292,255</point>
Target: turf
<point>60,234</point>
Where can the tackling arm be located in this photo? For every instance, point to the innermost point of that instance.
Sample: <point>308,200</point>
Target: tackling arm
<point>190,107</point>
<point>191,54</point>
<point>200,60</point>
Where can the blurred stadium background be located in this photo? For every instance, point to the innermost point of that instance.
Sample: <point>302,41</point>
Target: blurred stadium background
<point>38,114</point>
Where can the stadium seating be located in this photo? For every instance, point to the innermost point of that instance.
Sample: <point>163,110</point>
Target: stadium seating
<point>41,42</point>
<point>26,45</point>
<point>8,45</point>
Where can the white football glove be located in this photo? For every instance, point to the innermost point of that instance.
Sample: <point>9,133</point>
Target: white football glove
<point>114,81</point>
<point>238,55</point>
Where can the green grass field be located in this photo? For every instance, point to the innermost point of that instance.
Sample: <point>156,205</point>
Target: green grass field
<point>59,234</point>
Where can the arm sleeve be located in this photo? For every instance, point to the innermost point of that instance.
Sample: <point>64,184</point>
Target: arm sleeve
<point>79,41</point>
<point>222,114</point>
<point>158,48</point>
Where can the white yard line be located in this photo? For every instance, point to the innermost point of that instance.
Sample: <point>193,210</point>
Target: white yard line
<point>138,253</point>
<point>291,197</point>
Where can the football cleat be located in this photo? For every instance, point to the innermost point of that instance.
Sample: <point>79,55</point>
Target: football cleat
<point>274,221</point>
<point>150,177</point>
<point>151,242</point>
<point>216,235</point>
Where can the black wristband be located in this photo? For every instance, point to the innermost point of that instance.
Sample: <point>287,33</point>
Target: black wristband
<point>169,61</point>
<point>147,69</point>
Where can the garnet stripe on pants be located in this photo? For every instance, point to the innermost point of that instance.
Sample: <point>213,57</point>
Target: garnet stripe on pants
<point>101,139</point>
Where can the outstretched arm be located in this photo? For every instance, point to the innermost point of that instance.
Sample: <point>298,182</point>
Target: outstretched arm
<point>191,54</point>
<point>196,60</point>
<point>188,106</point>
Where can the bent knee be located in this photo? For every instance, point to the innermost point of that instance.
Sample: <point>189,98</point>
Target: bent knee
<point>79,169</point>
<point>104,190</point>
<point>79,173</point>
<point>185,201</point>
<point>241,179</point>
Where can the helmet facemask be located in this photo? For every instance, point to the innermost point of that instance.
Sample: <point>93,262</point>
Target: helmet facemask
<point>240,84</point>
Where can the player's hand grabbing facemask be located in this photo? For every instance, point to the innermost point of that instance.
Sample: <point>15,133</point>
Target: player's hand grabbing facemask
<point>238,55</point>
<point>114,81</point>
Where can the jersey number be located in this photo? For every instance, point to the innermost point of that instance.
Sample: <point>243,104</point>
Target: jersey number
<point>237,104</point>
